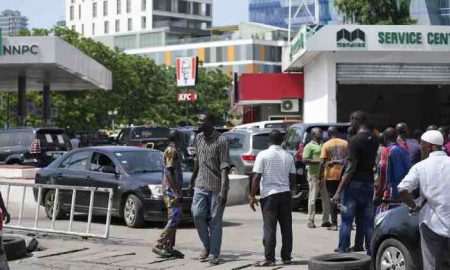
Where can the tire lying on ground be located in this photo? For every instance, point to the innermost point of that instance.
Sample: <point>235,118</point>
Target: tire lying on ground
<point>340,261</point>
<point>15,247</point>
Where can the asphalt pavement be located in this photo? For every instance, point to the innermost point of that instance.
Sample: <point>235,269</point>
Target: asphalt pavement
<point>131,248</point>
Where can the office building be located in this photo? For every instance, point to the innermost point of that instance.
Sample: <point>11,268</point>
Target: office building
<point>11,22</point>
<point>104,17</point>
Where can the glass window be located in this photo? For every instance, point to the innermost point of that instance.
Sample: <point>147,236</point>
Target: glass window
<point>184,7</point>
<point>105,8</point>
<point>82,29</point>
<point>106,27</point>
<point>4,139</point>
<point>130,24</point>
<point>117,25</point>
<point>138,162</point>
<point>119,6</point>
<point>128,6</point>
<point>94,9</point>
<point>196,8</point>
<point>71,13</point>
<point>144,5</point>
<point>99,161</point>
<point>78,161</point>
<point>73,27</point>
<point>261,141</point>
<point>22,139</point>
<point>79,11</point>
<point>93,28</point>
<point>235,140</point>
<point>208,9</point>
<point>144,22</point>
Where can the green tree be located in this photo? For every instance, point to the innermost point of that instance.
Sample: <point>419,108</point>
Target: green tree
<point>394,12</point>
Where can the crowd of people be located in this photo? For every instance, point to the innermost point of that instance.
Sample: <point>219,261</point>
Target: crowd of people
<point>361,176</point>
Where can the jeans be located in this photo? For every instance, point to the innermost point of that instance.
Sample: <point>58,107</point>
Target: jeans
<point>435,249</point>
<point>316,187</point>
<point>174,212</point>
<point>208,213</point>
<point>356,202</point>
<point>277,208</point>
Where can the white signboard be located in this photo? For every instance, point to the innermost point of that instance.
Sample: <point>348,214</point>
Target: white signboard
<point>186,69</point>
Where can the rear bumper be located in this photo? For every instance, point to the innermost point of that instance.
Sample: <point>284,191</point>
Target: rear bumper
<point>155,210</point>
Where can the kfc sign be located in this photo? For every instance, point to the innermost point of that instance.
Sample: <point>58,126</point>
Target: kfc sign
<point>187,97</point>
<point>187,71</point>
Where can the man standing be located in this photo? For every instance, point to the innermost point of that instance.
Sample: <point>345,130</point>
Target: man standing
<point>409,144</point>
<point>172,193</point>
<point>211,183</point>
<point>311,157</point>
<point>356,186</point>
<point>332,160</point>
<point>432,176</point>
<point>274,171</point>
<point>394,165</point>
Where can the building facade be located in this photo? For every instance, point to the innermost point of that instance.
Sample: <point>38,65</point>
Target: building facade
<point>11,22</point>
<point>105,17</point>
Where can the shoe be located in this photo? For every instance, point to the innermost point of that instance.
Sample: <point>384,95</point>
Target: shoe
<point>287,262</point>
<point>264,264</point>
<point>311,225</point>
<point>177,254</point>
<point>340,251</point>
<point>333,228</point>
<point>204,255</point>
<point>161,252</point>
<point>214,261</point>
<point>326,224</point>
<point>356,249</point>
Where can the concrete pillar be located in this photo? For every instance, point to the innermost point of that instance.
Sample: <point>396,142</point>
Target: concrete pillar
<point>22,100</point>
<point>320,104</point>
<point>46,114</point>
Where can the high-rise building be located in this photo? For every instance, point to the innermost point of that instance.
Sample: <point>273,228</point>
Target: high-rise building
<point>109,17</point>
<point>276,12</point>
<point>11,22</point>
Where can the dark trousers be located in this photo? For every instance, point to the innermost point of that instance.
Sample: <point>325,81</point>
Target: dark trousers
<point>277,208</point>
<point>435,249</point>
<point>332,187</point>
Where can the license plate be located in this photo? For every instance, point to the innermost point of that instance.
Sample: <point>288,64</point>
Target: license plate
<point>55,155</point>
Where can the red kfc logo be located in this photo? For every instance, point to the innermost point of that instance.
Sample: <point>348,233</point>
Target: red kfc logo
<point>187,97</point>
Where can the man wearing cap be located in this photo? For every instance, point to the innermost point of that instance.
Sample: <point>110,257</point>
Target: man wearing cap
<point>432,176</point>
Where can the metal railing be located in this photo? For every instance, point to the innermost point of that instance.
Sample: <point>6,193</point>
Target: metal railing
<point>56,204</point>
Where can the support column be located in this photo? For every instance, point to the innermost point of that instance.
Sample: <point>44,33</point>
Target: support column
<point>22,100</point>
<point>46,113</point>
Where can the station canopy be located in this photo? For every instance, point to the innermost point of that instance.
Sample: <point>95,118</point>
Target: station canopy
<point>49,61</point>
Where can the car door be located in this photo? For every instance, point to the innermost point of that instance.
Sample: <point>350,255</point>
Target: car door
<point>103,177</point>
<point>5,148</point>
<point>73,171</point>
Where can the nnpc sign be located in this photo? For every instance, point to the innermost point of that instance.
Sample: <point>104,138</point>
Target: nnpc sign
<point>16,49</point>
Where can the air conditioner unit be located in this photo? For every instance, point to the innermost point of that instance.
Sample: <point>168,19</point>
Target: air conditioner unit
<point>290,105</point>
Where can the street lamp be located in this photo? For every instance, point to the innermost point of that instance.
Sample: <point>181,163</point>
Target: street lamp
<point>113,114</point>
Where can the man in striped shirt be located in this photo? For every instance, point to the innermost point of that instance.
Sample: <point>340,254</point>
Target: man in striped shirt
<point>274,170</point>
<point>210,179</point>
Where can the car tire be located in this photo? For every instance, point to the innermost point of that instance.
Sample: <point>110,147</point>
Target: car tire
<point>340,261</point>
<point>49,199</point>
<point>133,212</point>
<point>394,248</point>
<point>15,247</point>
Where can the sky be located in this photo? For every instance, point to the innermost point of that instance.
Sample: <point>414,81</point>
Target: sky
<point>45,13</point>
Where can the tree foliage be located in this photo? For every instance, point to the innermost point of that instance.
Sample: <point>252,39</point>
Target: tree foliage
<point>143,92</point>
<point>394,12</point>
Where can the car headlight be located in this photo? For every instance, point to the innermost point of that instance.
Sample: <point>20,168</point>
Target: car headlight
<point>380,217</point>
<point>156,190</point>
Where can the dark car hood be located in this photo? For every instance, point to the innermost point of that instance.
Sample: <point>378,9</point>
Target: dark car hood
<point>156,178</point>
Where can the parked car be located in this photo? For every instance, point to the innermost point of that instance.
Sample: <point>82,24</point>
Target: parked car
<point>92,138</point>
<point>297,137</point>
<point>135,174</point>
<point>144,136</point>
<point>245,144</point>
<point>282,124</point>
<point>396,235</point>
<point>33,146</point>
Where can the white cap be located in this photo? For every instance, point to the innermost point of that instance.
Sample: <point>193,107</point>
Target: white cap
<point>434,137</point>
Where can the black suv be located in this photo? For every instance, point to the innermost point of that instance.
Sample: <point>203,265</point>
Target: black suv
<point>297,137</point>
<point>155,137</point>
<point>32,146</point>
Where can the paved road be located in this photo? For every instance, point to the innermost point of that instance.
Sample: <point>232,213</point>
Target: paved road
<point>131,248</point>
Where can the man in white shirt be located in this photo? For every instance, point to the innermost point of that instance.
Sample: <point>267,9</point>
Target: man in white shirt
<point>274,171</point>
<point>432,176</point>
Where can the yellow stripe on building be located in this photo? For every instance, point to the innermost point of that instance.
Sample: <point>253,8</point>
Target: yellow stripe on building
<point>168,59</point>
<point>201,55</point>
<point>262,51</point>
<point>230,53</point>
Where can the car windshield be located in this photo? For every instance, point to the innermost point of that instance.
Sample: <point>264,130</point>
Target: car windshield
<point>138,162</point>
<point>235,140</point>
<point>150,133</point>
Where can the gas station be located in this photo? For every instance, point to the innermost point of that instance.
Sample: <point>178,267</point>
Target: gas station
<point>48,64</point>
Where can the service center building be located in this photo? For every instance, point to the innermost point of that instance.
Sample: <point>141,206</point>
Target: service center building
<point>394,73</point>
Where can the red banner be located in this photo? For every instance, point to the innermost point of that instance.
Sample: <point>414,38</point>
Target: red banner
<point>187,97</point>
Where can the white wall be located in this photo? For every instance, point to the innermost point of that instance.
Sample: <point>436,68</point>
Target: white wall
<point>320,90</point>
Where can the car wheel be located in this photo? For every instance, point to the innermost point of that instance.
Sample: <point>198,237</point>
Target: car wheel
<point>49,200</point>
<point>133,212</point>
<point>392,254</point>
<point>340,261</point>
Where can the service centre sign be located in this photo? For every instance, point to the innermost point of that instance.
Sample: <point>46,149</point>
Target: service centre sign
<point>414,38</point>
<point>187,97</point>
